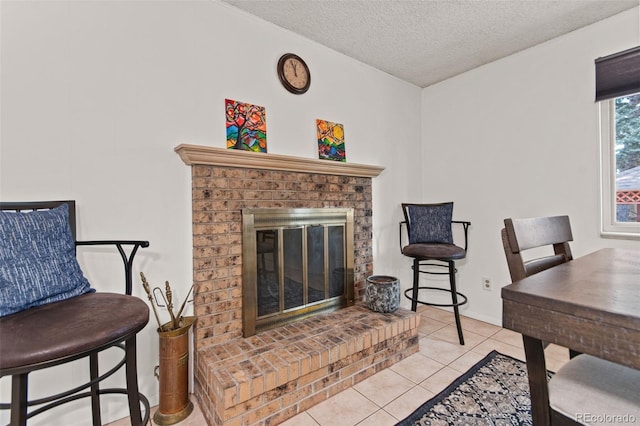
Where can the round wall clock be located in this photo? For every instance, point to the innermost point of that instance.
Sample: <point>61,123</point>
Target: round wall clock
<point>294,73</point>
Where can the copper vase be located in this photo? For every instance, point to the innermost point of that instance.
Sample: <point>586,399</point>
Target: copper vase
<point>174,403</point>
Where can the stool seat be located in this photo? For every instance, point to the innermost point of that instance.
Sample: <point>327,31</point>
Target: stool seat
<point>439,251</point>
<point>50,333</point>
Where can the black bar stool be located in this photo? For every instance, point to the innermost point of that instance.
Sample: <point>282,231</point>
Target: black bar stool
<point>429,228</point>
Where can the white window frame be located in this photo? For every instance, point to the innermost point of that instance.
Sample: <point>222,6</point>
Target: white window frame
<point>611,228</point>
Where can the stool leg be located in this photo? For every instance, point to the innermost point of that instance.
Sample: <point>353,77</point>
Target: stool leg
<point>416,280</point>
<point>95,389</point>
<point>19,399</point>
<point>454,299</point>
<point>132,382</point>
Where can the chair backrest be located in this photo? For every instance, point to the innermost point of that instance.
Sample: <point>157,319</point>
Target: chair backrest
<point>43,205</point>
<point>428,223</point>
<point>519,235</point>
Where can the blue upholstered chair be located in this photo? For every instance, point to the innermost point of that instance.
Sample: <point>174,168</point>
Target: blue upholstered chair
<point>50,315</point>
<point>431,245</point>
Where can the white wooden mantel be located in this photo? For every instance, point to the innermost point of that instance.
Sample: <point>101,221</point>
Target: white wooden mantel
<point>212,156</point>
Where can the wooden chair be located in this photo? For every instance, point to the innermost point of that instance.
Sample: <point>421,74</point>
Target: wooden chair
<point>431,245</point>
<point>520,235</point>
<point>602,384</point>
<point>66,330</point>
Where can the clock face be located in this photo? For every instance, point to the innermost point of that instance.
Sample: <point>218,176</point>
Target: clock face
<point>294,73</point>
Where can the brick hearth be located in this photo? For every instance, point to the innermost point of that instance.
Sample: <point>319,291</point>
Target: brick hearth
<point>276,374</point>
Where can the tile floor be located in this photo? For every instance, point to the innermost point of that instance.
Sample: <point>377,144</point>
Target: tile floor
<point>392,394</point>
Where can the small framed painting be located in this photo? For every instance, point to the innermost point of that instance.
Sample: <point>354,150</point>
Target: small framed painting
<point>246,126</point>
<point>330,141</point>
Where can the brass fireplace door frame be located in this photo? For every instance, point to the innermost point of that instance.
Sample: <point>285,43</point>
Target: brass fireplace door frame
<point>268,219</point>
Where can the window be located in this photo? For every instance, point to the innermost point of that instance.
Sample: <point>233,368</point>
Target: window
<point>620,145</point>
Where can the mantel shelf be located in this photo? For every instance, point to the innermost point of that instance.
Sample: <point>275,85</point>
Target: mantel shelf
<point>208,155</point>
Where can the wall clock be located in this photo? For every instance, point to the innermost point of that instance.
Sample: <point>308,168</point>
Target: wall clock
<point>294,73</point>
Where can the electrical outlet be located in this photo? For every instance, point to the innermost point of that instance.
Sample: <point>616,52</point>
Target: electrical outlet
<point>486,283</point>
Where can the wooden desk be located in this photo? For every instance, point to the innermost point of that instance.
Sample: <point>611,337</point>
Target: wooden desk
<point>590,304</point>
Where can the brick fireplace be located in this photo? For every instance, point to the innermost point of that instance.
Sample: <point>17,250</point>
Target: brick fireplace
<point>272,376</point>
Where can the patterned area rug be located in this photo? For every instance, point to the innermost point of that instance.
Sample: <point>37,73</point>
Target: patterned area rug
<point>495,391</point>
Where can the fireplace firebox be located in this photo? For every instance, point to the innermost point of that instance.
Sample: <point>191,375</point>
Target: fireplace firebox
<point>296,262</point>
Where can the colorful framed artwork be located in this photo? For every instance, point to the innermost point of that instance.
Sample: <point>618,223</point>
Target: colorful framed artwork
<point>330,141</point>
<point>246,126</point>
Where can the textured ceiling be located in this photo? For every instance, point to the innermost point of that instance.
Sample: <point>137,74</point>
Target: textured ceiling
<point>427,41</point>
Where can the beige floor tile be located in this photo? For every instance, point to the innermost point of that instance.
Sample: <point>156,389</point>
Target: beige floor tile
<point>429,325</point>
<point>441,351</point>
<point>450,334</point>
<point>436,314</point>
<point>194,419</point>
<point>347,408</point>
<point>443,378</point>
<point>408,402</point>
<point>379,418</point>
<point>466,361</point>
<point>482,348</point>
<point>122,422</point>
<point>417,367</point>
<point>554,364</point>
<point>384,387</point>
<point>479,327</point>
<point>504,348</point>
<point>555,357</point>
<point>556,351</point>
<point>302,419</point>
<point>509,337</point>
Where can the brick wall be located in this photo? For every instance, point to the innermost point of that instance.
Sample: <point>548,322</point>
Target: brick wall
<point>219,194</point>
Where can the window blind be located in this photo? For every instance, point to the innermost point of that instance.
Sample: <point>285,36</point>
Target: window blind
<point>618,74</point>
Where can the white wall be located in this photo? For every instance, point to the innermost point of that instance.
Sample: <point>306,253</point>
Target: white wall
<point>519,138</point>
<point>96,95</point>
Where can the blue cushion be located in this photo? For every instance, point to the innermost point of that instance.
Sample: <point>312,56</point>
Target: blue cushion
<point>37,260</point>
<point>430,223</point>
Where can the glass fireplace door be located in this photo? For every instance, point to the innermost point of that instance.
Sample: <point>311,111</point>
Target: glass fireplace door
<point>299,266</point>
<point>295,267</point>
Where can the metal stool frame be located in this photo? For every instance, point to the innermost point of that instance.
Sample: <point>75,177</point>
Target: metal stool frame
<point>457,299</point>
<point>19,375</point>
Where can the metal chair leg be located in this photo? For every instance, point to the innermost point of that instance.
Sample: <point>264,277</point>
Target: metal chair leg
<point>95,390</point>
<point>19,399</point>
<point>573,354</point>
<point>132,382</point>
<point>454,299</point>
<point>416,281</point>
